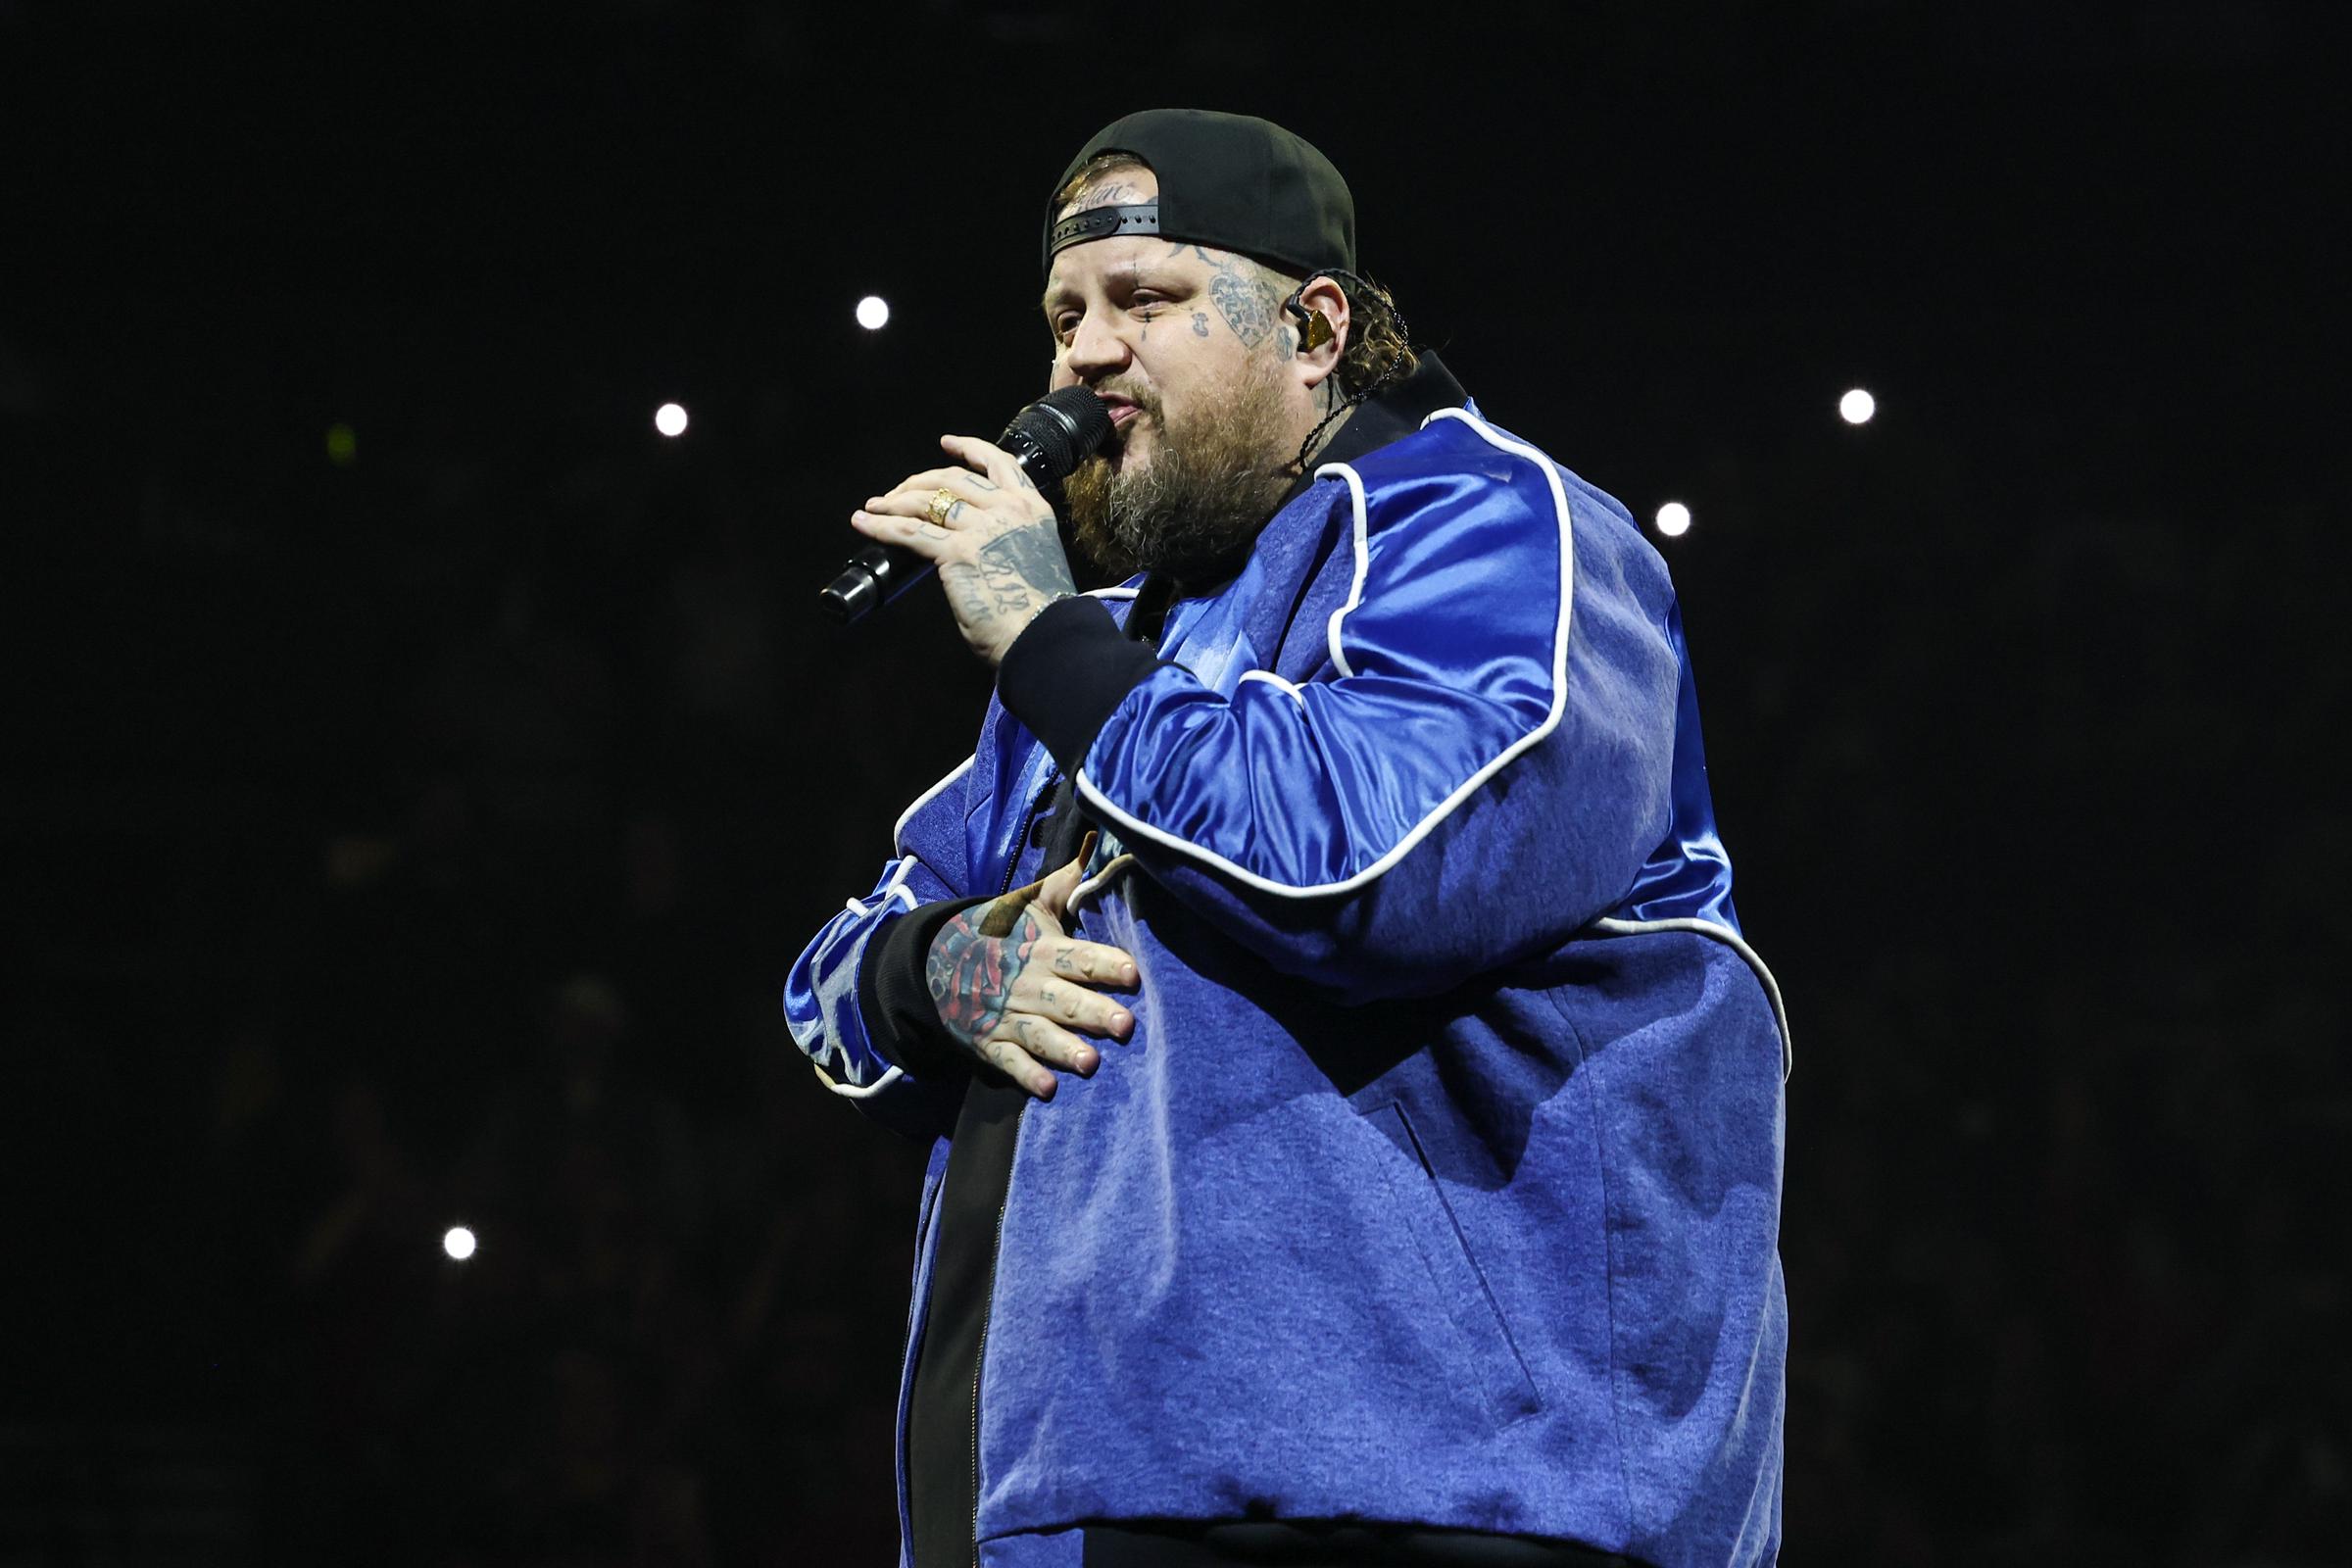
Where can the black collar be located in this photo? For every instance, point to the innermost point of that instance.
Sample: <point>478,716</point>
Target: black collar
<point>1387,416</point>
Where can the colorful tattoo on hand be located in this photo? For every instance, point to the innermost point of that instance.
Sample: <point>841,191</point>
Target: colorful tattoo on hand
<point>975,960</point>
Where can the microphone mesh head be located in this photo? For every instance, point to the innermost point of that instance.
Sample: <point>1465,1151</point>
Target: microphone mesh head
<point>1054,434</point>
<point>1089,412</point>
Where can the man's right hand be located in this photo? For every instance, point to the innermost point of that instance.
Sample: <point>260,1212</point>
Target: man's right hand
<point>1011,987</point>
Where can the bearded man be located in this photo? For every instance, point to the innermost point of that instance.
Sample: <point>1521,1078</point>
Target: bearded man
<point>1355,1115</point>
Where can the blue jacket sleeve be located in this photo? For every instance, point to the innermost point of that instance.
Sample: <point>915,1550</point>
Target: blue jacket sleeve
<point>1479,767</point>
<point>827,1007</point>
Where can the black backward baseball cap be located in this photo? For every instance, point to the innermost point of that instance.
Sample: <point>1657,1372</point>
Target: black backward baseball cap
<point>1234,181</point>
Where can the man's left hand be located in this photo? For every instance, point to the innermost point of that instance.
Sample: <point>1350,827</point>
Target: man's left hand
<point>1000,559</point>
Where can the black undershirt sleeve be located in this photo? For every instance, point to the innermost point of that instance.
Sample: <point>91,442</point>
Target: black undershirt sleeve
<point>894,993</point>
<point>1066,672</point>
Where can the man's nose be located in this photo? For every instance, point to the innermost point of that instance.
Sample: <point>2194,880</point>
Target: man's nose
<point>1096,349</point>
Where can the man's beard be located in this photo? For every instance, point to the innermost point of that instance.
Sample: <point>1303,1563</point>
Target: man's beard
<point>1208,488</point>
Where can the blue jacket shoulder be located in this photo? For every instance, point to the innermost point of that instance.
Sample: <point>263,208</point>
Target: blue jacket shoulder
<point>1455,444</point>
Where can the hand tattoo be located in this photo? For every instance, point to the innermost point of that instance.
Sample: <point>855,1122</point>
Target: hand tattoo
<point>973,963</point>
<point>964,583</point>
<point>1026,564</point>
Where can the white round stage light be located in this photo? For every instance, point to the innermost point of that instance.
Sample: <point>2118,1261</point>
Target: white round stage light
<point>873,312</point>
<point>458,1243</point>
<point>1674,519</point>
<point>1856,407</point>
<point>670,419</point>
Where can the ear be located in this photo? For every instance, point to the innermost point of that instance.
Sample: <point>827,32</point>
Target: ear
<point>1321,296</point>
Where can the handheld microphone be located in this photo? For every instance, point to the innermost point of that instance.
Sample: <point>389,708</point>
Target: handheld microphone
<point>1050,437</point>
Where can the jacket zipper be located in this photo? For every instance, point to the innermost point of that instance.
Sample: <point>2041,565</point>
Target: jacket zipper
<point>1012,861</point>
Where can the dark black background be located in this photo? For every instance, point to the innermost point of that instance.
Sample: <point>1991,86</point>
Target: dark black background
<point>424,839</point>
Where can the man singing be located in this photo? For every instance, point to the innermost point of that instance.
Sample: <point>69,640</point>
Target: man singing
<point>1357,1114</point>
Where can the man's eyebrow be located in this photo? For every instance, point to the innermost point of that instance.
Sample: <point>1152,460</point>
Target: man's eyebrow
<point>1136,274</point>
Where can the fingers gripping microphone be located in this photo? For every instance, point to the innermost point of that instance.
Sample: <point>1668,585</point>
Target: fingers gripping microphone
<point>1050,437</point>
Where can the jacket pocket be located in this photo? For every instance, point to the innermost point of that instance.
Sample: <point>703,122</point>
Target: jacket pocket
<point>1502,1376</point>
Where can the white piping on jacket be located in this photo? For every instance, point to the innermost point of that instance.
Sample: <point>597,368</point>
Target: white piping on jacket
<point>896,886</point>
<point>898,830</point>
<point>1737,944</point>
<point>855,1091</point>
<point>1363,560</point>
<point>1445,807</point>
<point>1277,682</point>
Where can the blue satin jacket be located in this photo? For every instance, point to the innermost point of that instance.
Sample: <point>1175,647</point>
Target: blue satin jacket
<point>1440,1179</point>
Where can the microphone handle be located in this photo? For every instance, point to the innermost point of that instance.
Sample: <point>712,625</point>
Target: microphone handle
<point>874,577</point>
<point>878,573</point>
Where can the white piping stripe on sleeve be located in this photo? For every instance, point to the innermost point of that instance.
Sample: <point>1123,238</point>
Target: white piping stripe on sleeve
<point>898,830</point>
<point>1737,944</point>
<point>1276,681</point>
<point>817,1062</point>
<point>858,1091</point>
<point>1363,560</point>
<point>896,887</point>
<point>1469,786</point>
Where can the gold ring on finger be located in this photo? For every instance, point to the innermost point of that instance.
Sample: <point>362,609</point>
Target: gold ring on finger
<point>942,502</point>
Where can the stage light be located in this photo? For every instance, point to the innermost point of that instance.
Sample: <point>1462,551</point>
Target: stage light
<point>1856,407</point>
<point>1674,519</point>
<point>342,445</point>
<point>873,312</point>
<point>458,1242</point>
<point>670,419</point>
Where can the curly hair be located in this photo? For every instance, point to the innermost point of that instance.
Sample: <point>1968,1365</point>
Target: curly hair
<point>1379,351</point>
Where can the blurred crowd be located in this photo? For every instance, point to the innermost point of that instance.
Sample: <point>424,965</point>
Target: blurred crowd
<point>475,913</point>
